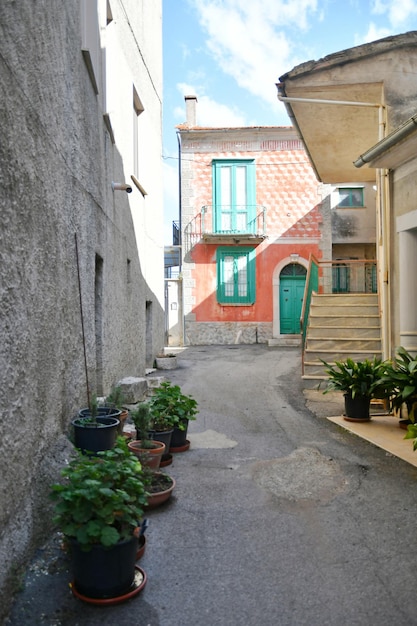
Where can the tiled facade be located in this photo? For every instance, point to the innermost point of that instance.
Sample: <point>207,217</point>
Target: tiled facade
<point>290,196</point>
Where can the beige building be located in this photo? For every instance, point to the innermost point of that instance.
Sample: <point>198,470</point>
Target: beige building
<point>81,103</point>
<point>355,112</point>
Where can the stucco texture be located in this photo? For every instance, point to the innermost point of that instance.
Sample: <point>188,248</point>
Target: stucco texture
<point>56,167</point>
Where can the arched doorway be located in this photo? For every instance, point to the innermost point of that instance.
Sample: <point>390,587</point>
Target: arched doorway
<point>292,281</point>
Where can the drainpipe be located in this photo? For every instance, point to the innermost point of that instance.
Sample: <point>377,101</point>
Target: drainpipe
<point>180,233</point>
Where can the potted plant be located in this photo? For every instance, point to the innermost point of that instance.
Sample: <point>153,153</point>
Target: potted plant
<point>98,506</point>
<point>171,406</point>
<point>400,379</point>
<point>116,400</point>
<point>359,381</point>
<point>95,428</point>
<point>149,450</point>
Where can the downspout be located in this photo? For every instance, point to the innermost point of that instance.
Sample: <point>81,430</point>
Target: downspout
<point>180,234</point>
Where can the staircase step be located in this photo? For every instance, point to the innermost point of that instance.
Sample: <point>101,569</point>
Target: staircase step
<point>336,298</point>
<point>337,332</point>
<point>343,320</point>
<point>344,310</point>
<point>346,344</point>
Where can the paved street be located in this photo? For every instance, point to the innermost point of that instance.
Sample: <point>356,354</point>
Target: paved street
<point>279,517</point>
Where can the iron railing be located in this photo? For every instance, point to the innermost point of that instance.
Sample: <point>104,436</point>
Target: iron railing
<point>336,276</point>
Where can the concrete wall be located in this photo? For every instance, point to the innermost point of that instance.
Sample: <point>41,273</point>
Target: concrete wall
<point>58,157</point>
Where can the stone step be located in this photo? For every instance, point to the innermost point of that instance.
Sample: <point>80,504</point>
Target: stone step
<point>345,310</point>
<point>336,332</point>
<point>344,344</point>
<point>335,299</point>
<point>343,320</point>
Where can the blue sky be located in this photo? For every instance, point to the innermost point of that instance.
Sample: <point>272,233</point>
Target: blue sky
<point>230,54</point>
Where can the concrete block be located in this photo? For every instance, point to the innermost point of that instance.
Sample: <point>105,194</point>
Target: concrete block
<point>134,389</point>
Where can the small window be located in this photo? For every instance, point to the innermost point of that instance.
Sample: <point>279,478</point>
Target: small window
<point>350,197</point>
<point>235,275</point>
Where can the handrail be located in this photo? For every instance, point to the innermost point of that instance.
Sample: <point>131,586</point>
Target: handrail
<point>335,276</point>
<point>312,284</point>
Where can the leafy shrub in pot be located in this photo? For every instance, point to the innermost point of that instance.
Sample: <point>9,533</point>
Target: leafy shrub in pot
<point>98,506</point>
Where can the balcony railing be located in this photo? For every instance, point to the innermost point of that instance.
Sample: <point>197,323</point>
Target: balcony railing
<point>235,226</point>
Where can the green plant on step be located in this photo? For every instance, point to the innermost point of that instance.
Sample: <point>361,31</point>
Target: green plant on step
<point>101,498</point>
<point>172,408</point>
<point>362,378</point>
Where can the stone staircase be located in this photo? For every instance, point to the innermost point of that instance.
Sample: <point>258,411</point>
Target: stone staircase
<point>340,326</point>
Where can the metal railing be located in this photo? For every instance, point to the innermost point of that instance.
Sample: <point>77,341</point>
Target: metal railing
<point>255,226</point>
<point>336,276</point>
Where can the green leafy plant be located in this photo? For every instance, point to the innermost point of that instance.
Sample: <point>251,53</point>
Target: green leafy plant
<point>400,379</point>
<point>171,408</point>
<point>101,498</point>
<point>362,378</point>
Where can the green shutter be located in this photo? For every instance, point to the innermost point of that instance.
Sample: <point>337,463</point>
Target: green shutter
<point>236,275</point>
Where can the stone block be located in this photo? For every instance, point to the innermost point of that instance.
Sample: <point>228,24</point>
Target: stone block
<point>134,389</point>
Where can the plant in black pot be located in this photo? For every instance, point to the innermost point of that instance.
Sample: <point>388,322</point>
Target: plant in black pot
<point>360,381</point>
<point>95,428</point>
<point>116,400</point>
<point>170,406</point>
<point>98,507</point>
<point>400,379</point>
<point>148,450</point>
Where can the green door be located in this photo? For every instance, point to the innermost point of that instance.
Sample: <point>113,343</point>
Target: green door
<point>292,283</point>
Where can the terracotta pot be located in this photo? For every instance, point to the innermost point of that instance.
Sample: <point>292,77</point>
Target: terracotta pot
<point>150,457</point>
<point>122,417</point>
<point>159,497</point>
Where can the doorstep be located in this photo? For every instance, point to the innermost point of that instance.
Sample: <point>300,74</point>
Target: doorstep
<point>383,431</point>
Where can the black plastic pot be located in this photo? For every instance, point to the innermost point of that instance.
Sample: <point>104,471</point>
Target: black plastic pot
<point>104,572</point>
<point>179,437</point>
<point>357,408</point>
<point>92,438</point>
<point>165,436</point>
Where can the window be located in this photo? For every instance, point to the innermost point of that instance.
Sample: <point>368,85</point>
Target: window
<point>350,197</point>
<point>234,197</point>
<point>235,275</point>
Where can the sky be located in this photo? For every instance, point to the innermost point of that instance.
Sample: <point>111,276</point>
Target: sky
<point>231,53</point>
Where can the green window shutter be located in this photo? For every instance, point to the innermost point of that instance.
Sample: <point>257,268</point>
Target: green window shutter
<point>236,275</point>
<point>234,196</point>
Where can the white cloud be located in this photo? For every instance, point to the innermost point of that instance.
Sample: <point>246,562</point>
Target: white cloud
<point>246,38</point>
<point>397,11</point>
<point>373,34</point>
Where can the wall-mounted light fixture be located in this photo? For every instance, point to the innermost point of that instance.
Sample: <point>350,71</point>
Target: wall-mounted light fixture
<point>121,187</point>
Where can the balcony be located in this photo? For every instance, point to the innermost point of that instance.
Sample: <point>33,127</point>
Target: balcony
<point>231,225</point>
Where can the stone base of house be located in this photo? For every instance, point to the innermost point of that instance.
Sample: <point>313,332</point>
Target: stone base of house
<point>226,333</point>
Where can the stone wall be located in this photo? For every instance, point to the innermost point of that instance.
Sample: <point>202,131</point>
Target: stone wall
<point>226,333</point>
<point>57,162</point>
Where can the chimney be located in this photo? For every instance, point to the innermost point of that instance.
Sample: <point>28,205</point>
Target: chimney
<point>190,110</point>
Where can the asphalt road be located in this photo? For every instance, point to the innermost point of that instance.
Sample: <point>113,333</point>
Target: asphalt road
<point>278,517</point>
